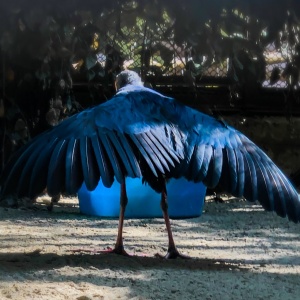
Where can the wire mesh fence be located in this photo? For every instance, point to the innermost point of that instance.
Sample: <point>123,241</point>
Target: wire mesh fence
<point>151,49</point>
<point>163,58</point>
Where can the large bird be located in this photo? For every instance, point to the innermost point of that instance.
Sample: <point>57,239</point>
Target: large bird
<point>141,133</point>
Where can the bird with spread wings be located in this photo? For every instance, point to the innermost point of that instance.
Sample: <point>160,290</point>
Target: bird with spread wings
<point>141,133</point>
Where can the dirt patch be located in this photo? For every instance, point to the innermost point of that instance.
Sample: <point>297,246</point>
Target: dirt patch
<point>239,252</point>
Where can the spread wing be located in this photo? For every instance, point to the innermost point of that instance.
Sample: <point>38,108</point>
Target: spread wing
<point>141,132</point>
<point>221,156</point>
<point>110,141</point>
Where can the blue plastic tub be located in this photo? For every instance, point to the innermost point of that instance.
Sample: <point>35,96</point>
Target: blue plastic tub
<point>185,200</point>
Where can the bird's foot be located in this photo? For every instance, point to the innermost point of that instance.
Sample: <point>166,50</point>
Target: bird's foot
<point>172,254</point>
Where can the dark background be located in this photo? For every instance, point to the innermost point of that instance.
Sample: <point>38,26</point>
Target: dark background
<point>236,60</point>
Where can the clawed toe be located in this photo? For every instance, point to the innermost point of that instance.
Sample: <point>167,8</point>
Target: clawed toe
<point>173,253</point>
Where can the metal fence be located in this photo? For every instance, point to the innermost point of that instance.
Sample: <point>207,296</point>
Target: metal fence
<point>151,50</point>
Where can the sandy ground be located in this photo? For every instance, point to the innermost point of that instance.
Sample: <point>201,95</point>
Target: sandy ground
<point>238,250</point>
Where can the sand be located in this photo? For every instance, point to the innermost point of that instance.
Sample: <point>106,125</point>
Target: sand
<point>238,251</point>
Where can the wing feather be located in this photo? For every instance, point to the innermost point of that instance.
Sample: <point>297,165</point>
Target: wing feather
<point>166,142</point>
<point>160,149</point>
<point>73,167</point>
<point>112,155</point>
<point>90,169</point>
<point>24,186</point>
<point>250,191</point>
<point>205,164</point>
<point>131,155</point>
<point>38,179</point>
<point>56,172</point>
<point>232,167</point>
<point>122,154</point>
<point>104,165</point>
<point>240,174</point>
<point>196,161</point>
<point>154,152</point>
<point>14,168</point>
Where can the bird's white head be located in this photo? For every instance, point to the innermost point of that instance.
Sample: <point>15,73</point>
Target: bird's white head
<point>127,77</point>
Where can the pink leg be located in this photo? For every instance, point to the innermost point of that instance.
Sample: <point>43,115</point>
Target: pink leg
<point>172,250</point>
<point>119,248</point>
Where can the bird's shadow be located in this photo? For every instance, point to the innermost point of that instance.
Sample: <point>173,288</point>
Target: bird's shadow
<point>35,261</point>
